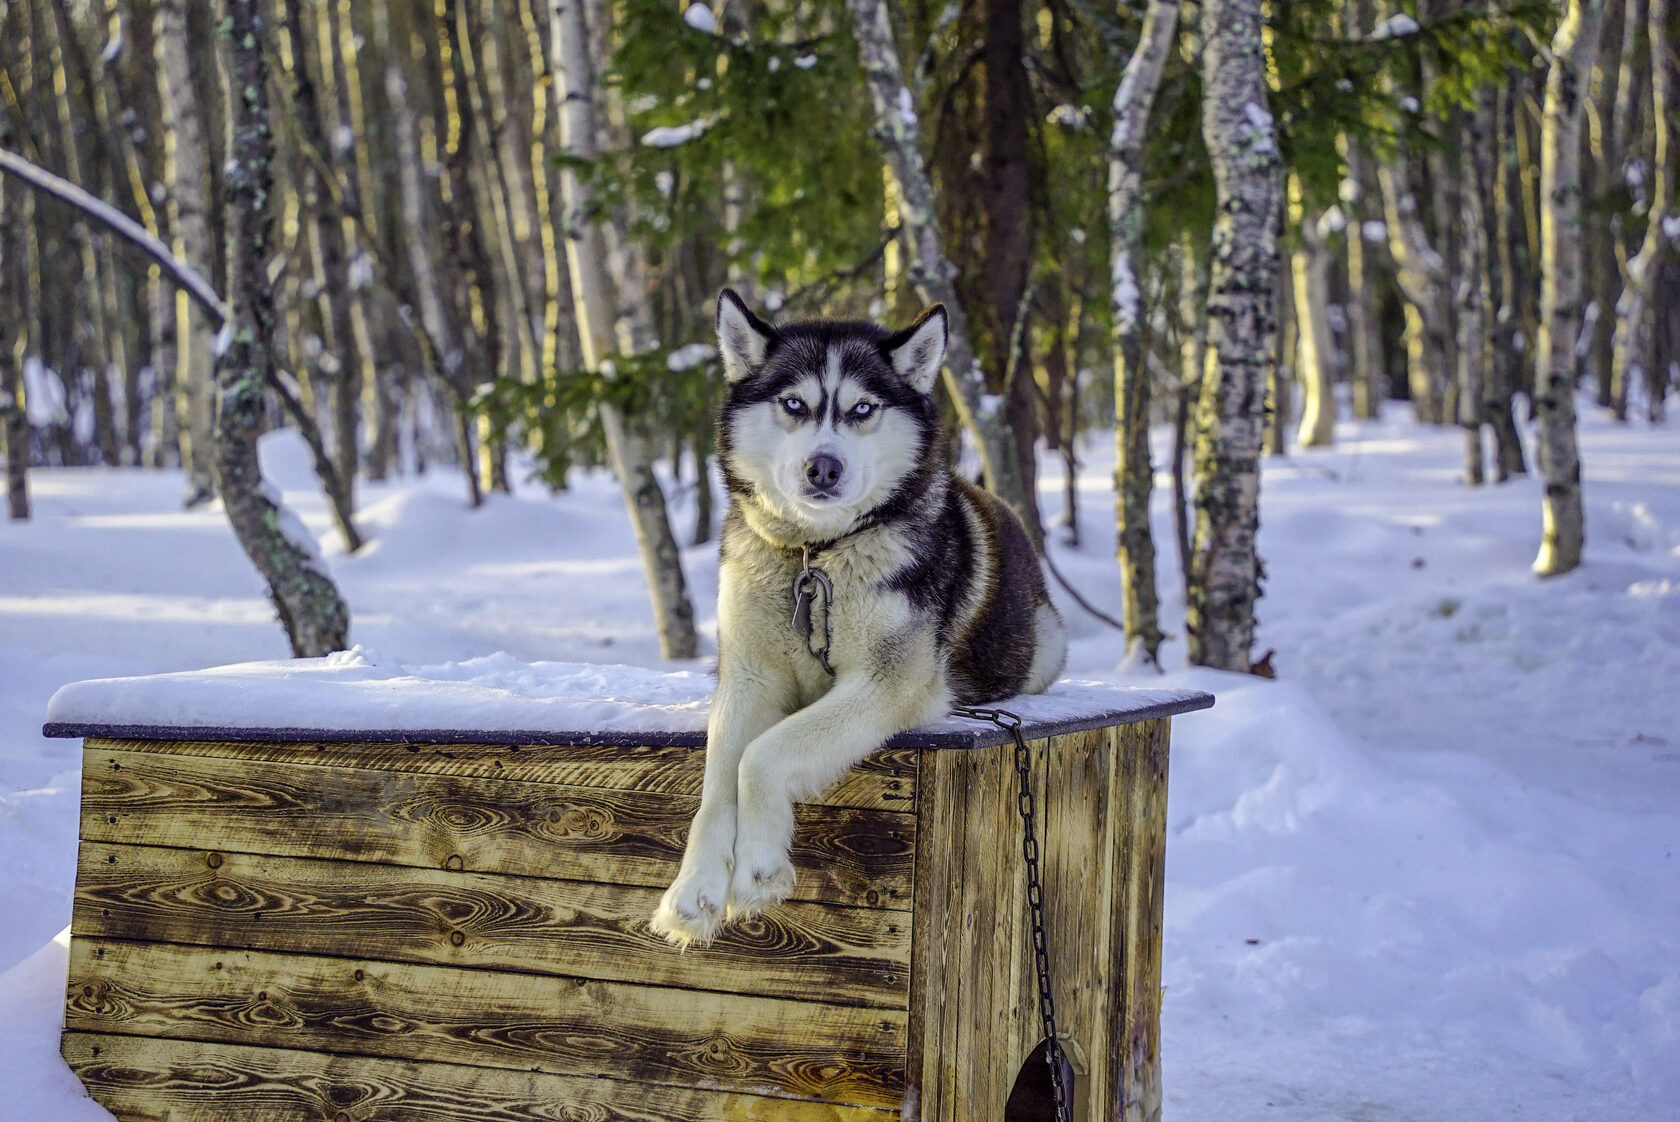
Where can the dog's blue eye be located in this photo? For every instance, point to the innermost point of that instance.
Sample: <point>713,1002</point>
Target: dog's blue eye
<point>863,409</point>
<point>794,406</point>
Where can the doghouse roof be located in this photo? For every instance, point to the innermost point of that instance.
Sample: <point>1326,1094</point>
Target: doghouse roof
<point>352,696</point>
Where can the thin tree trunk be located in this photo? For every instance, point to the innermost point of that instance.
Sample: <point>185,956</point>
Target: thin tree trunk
<point>1241,140</point>
<point>1281,377</point>
<point>90,324</point>
<point>1315,367</point>
<point>352,150</point>
<point>576,88</point>
<point>1009,235</point>
<point>1573,47</point>
<point>188,175</point>
<point>1509,358</point>
<point>1134,475</point>
<point>14,417</point>
<point>1472,296</point>
<point>310,607</point>
<point>419,223</point>
<point>1633,358</point>
<point>545,133</point>
<point>1364,321</point>
<point>1192,350</point>
<point>899,131</point>
<point>340,362</point>
<point>1422,273</point>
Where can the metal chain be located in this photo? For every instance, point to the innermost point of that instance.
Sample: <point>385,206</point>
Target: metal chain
<point>1011,724</point>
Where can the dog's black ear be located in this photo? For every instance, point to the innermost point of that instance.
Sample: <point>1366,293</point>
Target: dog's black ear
<point>917,351</point>
<point>743,338</point>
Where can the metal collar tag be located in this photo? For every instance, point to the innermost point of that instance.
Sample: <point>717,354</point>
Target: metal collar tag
<point>807,586</point>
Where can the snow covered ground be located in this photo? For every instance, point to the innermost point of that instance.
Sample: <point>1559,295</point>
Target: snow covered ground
<point>1428,874</point>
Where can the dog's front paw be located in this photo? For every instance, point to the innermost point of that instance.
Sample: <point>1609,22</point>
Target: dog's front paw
<point>759,884</point>
<point>692,909</point>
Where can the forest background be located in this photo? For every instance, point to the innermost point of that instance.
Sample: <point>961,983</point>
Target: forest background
<point>488,233</point>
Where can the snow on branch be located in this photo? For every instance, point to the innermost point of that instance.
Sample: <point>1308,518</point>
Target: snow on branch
<point>119,223</point>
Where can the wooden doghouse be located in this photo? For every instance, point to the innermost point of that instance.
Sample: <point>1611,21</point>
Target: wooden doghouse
<point>307,924</point>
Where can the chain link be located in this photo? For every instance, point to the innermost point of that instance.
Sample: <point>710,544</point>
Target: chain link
<point>1024,802</point>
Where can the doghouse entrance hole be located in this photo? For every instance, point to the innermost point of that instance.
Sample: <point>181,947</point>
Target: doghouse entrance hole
<point>1030,1099</point>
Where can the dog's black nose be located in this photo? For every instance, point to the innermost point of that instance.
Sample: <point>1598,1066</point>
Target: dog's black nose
<point>822,471</point>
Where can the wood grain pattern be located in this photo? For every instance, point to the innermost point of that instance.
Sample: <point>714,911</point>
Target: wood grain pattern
<point>559,1026</point>
<point>935,981</point>
<point>885,780</point>
<point>974,1014</point>
<point>1075,775</point>
<point>153,1080</point>
<point>852,956</point>
<point>1140,830</point>
<point>844,855</point>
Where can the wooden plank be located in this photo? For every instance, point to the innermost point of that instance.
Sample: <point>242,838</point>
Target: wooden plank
<point>1075,776</point>
<point>150,1080</point>
<point>885,780</point>
<point>935,981</point>
<point>852,956</point>
<point>1140,832</point>
<point>844,855</point>
<point>989,1024</point>
<point>736,1043</point>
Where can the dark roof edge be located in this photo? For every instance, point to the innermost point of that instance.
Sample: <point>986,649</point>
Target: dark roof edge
<point>981,735</point>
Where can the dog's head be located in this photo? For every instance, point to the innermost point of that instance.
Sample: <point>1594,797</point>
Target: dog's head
<point>823,422</point>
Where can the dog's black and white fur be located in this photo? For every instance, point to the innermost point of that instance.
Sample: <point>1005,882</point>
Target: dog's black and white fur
<point>829,440</point>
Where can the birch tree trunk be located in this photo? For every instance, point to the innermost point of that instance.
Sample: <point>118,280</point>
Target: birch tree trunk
<point>1280,376</point>
<point>1315,367</point>
<point>1422,273</point>
<point>1241,140</point>
<point>1362,197</point>
<point>1509,359</point>
<point>90,329</point>
<point>1192,352</point>
<point>188,176</point>
<point>419,227</point>
<point>899,131</point>
<point>14,420</point>
<point>1134,475</point>
<point>339,362</point>
<point>310,607</point>
<point>1633,359</point>
<point>1472,296</point>
<point>586,252</point>
<point>1573,48</point>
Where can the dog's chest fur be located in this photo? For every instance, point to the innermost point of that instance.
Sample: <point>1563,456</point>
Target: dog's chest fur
<point>756,604</point>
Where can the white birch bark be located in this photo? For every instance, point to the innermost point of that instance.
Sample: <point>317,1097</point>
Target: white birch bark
<point>308,602</point>
<point>188,175</point>
<point>1632,346</point>
<point>1473,294</point>
<point>899,130</point>
<point>1315,367</point>
<point>1241,140</point>
<point>586,252</point>
<point>1422,275</point>
<point>1134,474</point>
<point>1573,47</point>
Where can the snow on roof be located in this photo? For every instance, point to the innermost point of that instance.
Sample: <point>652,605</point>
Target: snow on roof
<point>351,695</point>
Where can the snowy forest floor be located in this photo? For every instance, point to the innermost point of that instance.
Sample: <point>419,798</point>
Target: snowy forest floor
<point>1430,873</point>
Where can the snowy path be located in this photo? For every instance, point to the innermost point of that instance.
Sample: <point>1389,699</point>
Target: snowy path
<point>1430,874</point>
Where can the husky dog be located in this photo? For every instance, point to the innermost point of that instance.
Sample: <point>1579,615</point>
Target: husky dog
<point>864,589</point>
